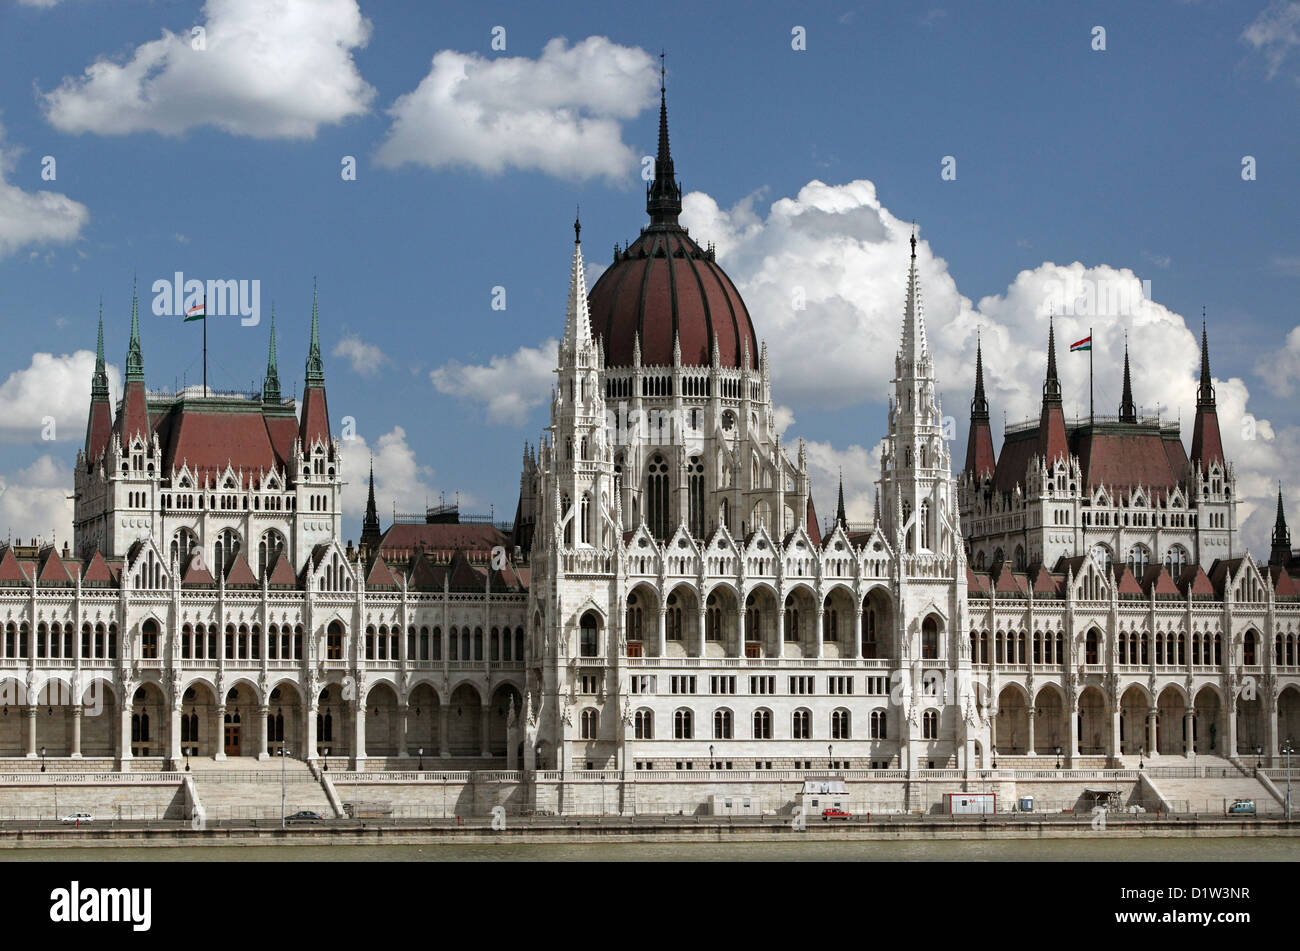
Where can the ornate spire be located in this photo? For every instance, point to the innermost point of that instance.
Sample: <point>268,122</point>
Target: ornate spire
<point>315,369</point>
<point>1281,549</point>
<point>370,525</point>
<point>577,318</point>
<point>1205,395</point>
<point>1052,385</point>
<point>914,347</point>
<point>134,355</point>
<point>663,200</point>
<point>979,406</point>
<point>1127,411</point>
<point>840,518</point>
<point>271,386</point>
<point>99,382</point>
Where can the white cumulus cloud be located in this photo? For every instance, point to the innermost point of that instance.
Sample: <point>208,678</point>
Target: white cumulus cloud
<point>1275,31</point>
<point>365,358</point>
<point>509,386</point>
<point>34,217</point>
<point>266,69</point>
<point>401,481</point>
<point>560,114</point>
<point>53,388</point>
<point>34,502</point>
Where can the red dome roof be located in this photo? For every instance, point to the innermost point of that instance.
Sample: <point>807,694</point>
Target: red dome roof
<point>663,285</point>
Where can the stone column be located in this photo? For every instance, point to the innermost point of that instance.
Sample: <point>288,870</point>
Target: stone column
<point>359,733</point>
<point>124,735</point>
<point>263,753</point>
<point>1189,721</point>
<point>663,630</point>
<point>1116,743</point>
<point>741,634</point>
<point>309,729</point>
<point>442,730</point>
<point>485,715</point>
<point>1229,732</point>
<point>1031,717</point>
<point>403,719</point>
<point>76,731</point>
<point>855,651</point>
<point>1271,744</point>
<point>780,629</point>
<point>173,735</point>
<point>821,629</point>
<point>1152,719</point>
<point>702,642</point>
<point>30,739</point>
<point>219,728</point>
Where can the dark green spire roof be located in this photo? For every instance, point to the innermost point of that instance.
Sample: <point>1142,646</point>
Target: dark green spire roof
<point>134,355</point>
<point>271,386</point>
<point>99,382</point>
<point>315,369</point>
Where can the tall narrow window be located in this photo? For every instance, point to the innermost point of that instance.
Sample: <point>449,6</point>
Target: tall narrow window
<point>696,485</point>
<point>657,515</point>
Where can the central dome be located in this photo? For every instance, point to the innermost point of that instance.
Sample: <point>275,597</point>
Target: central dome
<point>664,286</point>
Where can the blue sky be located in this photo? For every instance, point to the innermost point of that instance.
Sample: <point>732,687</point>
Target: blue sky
<point>1126,160</point>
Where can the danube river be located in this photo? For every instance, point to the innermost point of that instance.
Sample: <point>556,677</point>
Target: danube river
<point>1098,848</point>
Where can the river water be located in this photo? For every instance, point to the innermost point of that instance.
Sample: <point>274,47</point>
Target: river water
<point>1090,849</point>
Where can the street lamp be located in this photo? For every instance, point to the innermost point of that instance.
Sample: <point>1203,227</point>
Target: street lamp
<point>283,754</point>
<point>187,759</point>
<point>1288,751</point>
<point>42,759</point>
<point>326,759</point>
<point>995,757</point>
<point>421,752</point>
<point>1259,753</point>
<point>710,756</point>
<point>1058,757</point>
<point>1141,752</point>
<point>830,751</point>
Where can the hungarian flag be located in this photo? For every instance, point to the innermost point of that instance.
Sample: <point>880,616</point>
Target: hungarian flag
<point>197,312</point>
<point>1084,344</point>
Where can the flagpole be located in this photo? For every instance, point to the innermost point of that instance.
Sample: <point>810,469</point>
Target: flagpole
<point>1090,373</point>
<point>205,345</point>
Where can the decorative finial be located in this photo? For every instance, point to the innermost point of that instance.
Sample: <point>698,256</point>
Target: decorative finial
<point>661,72</point>
<point>577,225</point>
<point>914,239</point>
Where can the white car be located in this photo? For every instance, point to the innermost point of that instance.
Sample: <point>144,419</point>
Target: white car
<point>78,817</point>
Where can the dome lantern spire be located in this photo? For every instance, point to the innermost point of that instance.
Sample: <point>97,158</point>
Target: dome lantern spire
<point>663,200</point>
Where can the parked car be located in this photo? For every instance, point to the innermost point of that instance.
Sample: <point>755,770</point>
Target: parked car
<point>829,814</point>
<point>78,817</point>
<point>1242,807</point>
<point>305,816</point>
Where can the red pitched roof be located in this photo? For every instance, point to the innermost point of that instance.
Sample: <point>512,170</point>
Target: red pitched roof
<point>1207,444</point>
<point>814,533</point>
<point>134,415</point>
<point>281,572</point>
<point>99,430</point>
<point>1122,461</point>
<point>1284,586</point>
<point>208,437</point>
<point>1006,581</point>
<point>464,576</point>
<point>1196,583</point>
<point>315,420</point>
<point>1045,583</point>
<point>97,571</point>
<point>52,569</point>
<point>1158,582</point>
<point>977,585</point>
<point>240,573</point>
<point>980,459</point>
<point>404,539</point>
<point>426,575</point>
<point>10,570</point>
<point>379,575</point>
<point>197,573</point>
<point>1127,584</point>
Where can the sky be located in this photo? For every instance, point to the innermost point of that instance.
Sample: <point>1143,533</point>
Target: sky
<point>1124,166</point>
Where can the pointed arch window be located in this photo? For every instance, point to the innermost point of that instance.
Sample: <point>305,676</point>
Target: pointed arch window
<point>657,498</point>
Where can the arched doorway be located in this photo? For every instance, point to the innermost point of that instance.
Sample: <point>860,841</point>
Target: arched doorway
<point>800,623</point>
<point>721,623</point>
<point>877,614</point>
<point>423,721</point>
<point>464,722</point>
<point>1012,722</point>
<point>1171,723</point>
<point>499,719</point>
<point>1051,729</point>
<point>760,622</point>
<point>1288,718</point>
<point>382,721</point>
<point>1206,725</point>
<point>1133,710</point>
<point>1093,731</point>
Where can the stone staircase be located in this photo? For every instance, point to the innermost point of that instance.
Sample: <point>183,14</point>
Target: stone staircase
<point>243,788</point>
<point>1214,794</point>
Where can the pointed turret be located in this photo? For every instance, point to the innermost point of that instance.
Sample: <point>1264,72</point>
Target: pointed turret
<point>1280,553</point>
<point>99,422</point>
<point>663,199</point>
<point>271,385</point>
<point>314,422</point>
<point>370,525</point>
<point>915,346</point>
<point>980,457</point>
<point>577,318</point>
<point>1052,443</point>
<point>1207,443</point>
<point>840,518</point>
<point>134,418</point>
<point>1127,411</point>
